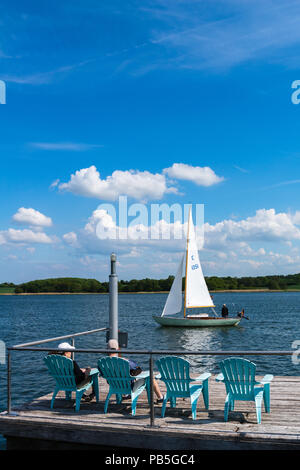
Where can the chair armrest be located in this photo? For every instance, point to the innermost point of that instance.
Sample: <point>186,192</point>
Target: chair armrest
<point>142,375</point>
<point>94,371</point>
<point>220,378</point>
<point>266,379</point>
<point>202,377</point>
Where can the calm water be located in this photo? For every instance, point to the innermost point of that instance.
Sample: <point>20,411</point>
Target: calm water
<point>274,324</point>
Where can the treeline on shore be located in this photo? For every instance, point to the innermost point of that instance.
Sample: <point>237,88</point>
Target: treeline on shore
<point>214,283</point>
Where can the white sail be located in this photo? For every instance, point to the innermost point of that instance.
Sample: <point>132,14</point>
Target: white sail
<point>174,301</point>
<point>197,294</point>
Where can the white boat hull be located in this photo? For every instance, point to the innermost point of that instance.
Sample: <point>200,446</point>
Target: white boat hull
<point>196,322</point>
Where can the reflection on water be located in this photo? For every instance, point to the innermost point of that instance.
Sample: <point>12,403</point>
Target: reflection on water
<point>197,339</point>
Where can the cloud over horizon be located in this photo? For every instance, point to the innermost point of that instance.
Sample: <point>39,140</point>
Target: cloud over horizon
<point>24,236</point>
<point>248,244</point>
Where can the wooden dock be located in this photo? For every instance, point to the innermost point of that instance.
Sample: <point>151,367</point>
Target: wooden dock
<point>35,426</point>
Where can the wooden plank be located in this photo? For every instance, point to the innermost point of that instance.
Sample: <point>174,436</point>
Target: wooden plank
<point>279,429</point>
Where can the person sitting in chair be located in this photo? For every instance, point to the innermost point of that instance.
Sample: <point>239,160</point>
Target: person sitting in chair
<point>82,376</point>
<point>135,369</point>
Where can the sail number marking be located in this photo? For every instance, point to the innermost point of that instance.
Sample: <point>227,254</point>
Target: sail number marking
<point>194,266</point>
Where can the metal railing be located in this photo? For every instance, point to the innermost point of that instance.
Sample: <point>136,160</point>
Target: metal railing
<point>150,353</point>
<point>28,347</point>
<point>58,338</point>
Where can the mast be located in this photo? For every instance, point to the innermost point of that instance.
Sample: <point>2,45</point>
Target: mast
<point>186,261</point>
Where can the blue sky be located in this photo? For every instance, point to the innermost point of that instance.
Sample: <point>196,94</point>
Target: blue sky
<point>139,98</point>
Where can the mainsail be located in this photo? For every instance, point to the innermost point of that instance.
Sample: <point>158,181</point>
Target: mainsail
<point>196,292</point>
<point>174,300</point>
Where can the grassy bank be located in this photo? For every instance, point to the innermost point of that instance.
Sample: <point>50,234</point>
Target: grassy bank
<point>145,292</point>
<point>7,290</point>
<point>289,283</point>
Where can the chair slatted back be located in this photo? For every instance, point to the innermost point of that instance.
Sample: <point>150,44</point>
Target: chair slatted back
<point>117,373</point>
<point>175,372</point>
<point>239,377</point>
<point>61,368</point>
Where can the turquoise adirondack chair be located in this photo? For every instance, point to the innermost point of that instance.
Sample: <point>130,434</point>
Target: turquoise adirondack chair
<point>175,372</point>
<point>61,368</point>
<point>116,371</point>
<point>238,375</point>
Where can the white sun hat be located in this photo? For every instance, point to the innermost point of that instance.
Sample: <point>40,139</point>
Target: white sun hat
<point>112,344</point>
<point>65,347</point>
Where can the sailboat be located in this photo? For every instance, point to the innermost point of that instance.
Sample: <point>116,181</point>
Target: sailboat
<point>196,294</point>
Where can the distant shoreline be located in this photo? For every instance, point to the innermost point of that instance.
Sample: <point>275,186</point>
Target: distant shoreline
<point>145,292</point>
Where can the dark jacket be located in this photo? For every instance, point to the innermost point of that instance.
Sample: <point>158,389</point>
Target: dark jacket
<point>224,311</point>
<point>79,375</point>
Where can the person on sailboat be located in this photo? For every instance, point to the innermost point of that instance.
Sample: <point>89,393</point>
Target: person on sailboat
<point>224,311</point>
<point>242,314</point>
<point>135,370</point>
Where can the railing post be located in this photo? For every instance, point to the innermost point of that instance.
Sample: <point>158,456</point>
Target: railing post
<point>73,344</point>
<point>113,299</point>
<point>152,418</point>
<point>8,382</point>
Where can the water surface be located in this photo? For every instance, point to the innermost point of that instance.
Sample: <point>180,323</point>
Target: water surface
<point>274,324</point>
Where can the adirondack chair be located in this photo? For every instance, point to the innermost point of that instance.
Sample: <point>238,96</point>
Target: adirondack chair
<point>116,371</point>
<point>175,372</point>
<point>238,375</point>
<point>61,369</point>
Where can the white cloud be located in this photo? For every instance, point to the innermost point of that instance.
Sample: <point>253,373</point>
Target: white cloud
<point>102,226</point>
<point>242,170</point>
<point>202,176</point>
<point>42,78</point>
<point>225,238</point>
<point>141,185</point>
<point>296,218</point>
<point>29,216</point>
<point>23,237</point>
<point>71,239</point>
<point>101,216</point>
<point>256,245</point>
<point>12,257</point>
<point>54,184</point>
<point>265,225</point>
<point>243,32</point>
<point>72,146</point>
<point>101,235</point>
